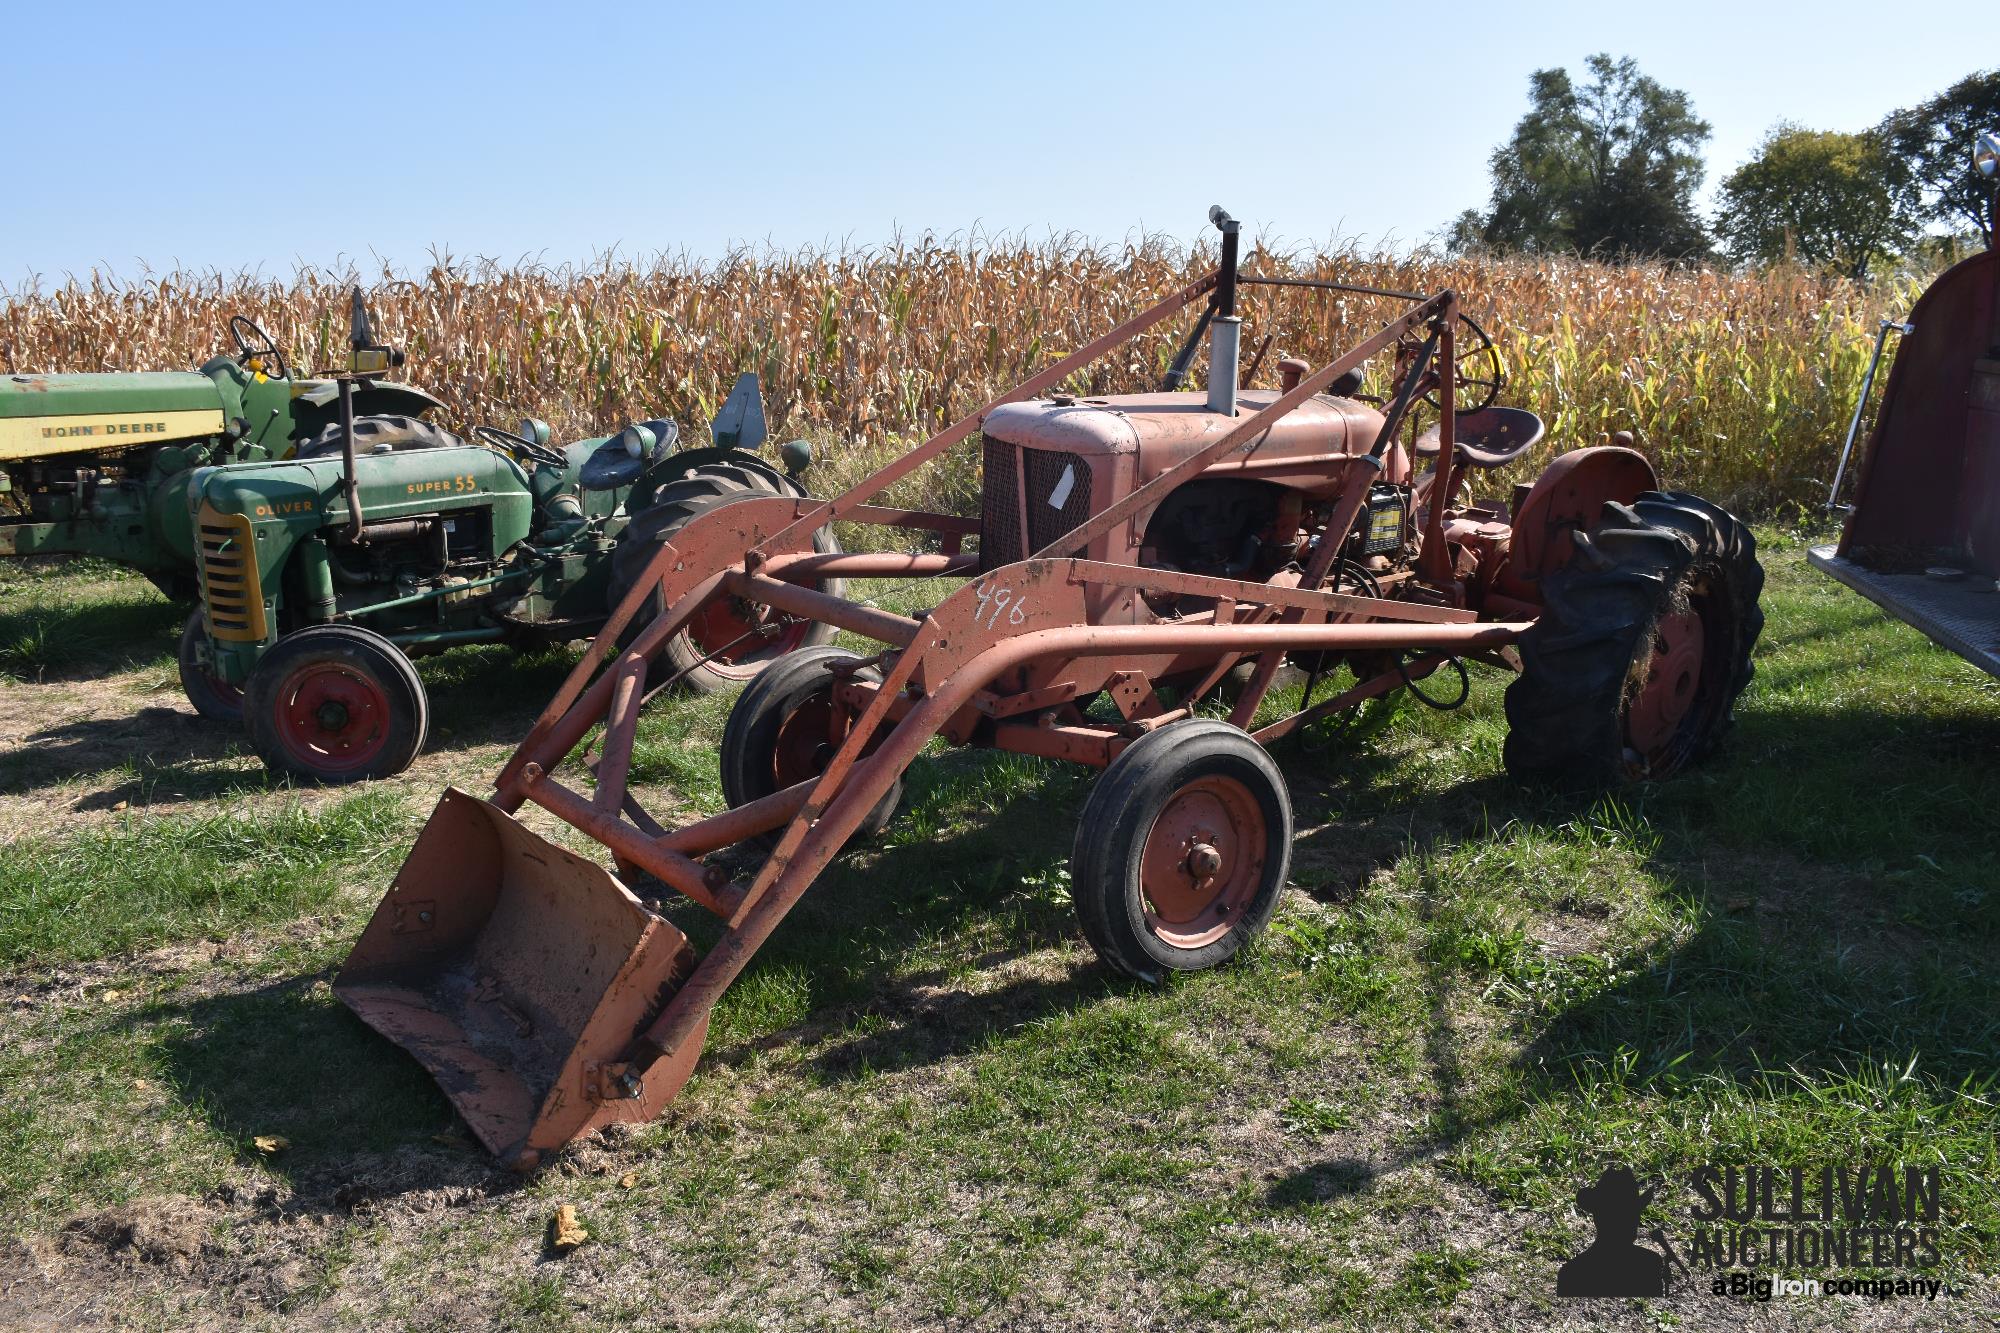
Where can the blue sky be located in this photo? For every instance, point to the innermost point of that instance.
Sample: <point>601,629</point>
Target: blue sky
<point>270,135</point>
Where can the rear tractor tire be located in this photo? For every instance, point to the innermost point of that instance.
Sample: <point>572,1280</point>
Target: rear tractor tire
<point>1182,850</point>
<point>333,704</point>
<point>212,696</point>
<point>1633,670</point>
<point>781,732</point>
<point>399,433</point>
<point>711,652</point>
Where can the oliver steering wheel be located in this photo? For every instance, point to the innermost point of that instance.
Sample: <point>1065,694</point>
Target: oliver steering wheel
<point>508,442</point>
<point>253,344</point>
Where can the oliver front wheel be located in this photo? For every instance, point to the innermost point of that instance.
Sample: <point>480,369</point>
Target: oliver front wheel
<point>335,704</point>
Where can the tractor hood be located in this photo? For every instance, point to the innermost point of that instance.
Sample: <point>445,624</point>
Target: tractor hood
<point>45,415</point>
<point>1164,428</point>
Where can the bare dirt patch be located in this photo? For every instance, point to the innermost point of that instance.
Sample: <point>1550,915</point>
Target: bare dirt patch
<point>76,755</point>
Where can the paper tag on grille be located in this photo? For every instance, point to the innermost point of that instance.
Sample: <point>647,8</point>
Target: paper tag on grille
<point>1064,485</point>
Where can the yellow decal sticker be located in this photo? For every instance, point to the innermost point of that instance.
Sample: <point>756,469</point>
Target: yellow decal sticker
<point>445,486</point>
<point>39,437</point>
<point>277,507</point>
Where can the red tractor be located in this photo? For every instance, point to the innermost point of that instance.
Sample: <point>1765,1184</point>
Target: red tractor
<point>1133,552</point>
<point>1936,436</point>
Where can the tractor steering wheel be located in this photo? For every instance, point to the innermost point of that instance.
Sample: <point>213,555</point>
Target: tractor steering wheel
<point>253,344</point>
<point>1480,372</point>
<point>508,442</point>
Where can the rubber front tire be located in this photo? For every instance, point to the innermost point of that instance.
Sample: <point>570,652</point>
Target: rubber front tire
<point>778,734</point>
<point>401,434</point>
<point>212,696</point>
<point>716,625</point>
<point>1643,646</point>
<point>1148,901</point>
<point>333,704</point>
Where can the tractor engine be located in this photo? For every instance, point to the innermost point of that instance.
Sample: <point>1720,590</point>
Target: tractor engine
<point>277,551</point>
<point>1051,464</point>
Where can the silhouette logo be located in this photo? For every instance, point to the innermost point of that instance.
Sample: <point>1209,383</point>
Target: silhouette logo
<point>1615,1264</point>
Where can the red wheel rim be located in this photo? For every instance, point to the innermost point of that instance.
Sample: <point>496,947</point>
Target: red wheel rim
<point>717,631</point>
<point>1671,687</point>
<point>222,689</point>
<point>333,717</point>
<point>1203,861</point>
<point>806,741</point>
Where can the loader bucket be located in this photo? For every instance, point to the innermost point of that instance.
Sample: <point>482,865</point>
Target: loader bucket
<point>518,973</point>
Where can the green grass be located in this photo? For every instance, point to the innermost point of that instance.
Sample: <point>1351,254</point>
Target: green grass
<point>146,879</point>
<point>75,618</point>
<point>925,1101</point>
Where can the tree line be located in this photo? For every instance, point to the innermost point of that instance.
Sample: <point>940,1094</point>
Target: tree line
<point>1609,165</point>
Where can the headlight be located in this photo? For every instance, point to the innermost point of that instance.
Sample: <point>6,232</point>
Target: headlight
<point>1986,153</point>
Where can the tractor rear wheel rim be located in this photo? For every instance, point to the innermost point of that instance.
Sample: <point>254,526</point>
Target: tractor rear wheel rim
<point>1672,687</point>
<point>333,717</point>
<point>717,627</point>
<point>1203,861</point>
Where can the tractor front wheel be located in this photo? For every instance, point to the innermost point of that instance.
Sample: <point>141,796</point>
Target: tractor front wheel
<point>1182,850</point>
<point>1633,670</point>
<point>723,644</point>
<point>334,704</point>
<point>212,696</point>
<point>785,728</point>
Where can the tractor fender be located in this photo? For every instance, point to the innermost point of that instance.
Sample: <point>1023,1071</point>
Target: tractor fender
<point>677,465</point>
<point>313,409</point>
<point>392,400</point>
<point>1569,496</point>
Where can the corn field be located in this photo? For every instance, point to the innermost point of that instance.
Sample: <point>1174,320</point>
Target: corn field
<point>1737,384</point>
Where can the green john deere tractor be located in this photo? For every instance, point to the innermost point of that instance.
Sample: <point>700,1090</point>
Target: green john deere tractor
<point>99,464</point>
<point>321,577</point>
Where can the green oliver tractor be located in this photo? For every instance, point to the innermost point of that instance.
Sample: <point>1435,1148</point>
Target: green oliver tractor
<point>99,464</point>
<point>322,577</point>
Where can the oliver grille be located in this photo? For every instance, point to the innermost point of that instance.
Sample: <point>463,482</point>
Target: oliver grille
<point>231,594</point>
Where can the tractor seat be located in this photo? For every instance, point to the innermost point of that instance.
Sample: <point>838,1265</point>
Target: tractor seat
<point>1490,437</point>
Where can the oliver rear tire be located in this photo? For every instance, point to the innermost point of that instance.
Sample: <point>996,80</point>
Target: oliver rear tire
<point>401,434</point>
<point>1633,670</point>
<point>717,649</point>
<point>1182,850</point>
<point>212,696</point>
<point>781,732</point>
<point>334,704</point>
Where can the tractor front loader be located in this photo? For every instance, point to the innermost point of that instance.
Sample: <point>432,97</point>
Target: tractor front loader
<point>1133,551</point>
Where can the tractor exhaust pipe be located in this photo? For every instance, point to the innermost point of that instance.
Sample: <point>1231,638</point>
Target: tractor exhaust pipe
<point>366,358</point>
<point>1225,336</point>
<point>350,489</point>
<point>1224,350</point>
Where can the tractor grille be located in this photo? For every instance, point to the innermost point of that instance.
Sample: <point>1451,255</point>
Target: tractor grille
<point>231,594</point>
<point>1000,512</point>
<point>1048,520</point>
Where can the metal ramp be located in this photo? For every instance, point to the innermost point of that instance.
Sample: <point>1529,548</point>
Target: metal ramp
<point>1962,615</point>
